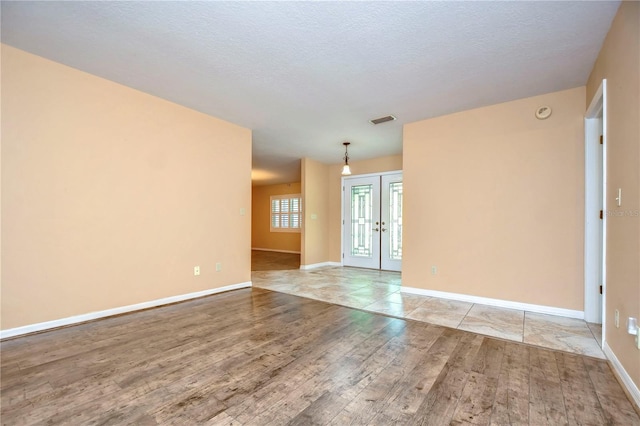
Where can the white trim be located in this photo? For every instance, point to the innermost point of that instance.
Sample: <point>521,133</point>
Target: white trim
<point>597,102</point>
<point>551,310</point>
<point>393,172</point>
<point>319,265</point>
<point>41,326</point>
<point>276,250</point>
<point>605,143</point>
<point>632,388</point>
<point>595,267</point>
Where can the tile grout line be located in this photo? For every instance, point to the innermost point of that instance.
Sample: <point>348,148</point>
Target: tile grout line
<point>465,315</point>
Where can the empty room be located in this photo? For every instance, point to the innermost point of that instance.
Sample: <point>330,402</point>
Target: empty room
<point>320,213</point>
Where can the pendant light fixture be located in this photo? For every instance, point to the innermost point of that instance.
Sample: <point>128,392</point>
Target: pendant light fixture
<point>346,170</point>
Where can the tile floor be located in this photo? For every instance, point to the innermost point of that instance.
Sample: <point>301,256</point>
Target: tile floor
<point>379,291</point>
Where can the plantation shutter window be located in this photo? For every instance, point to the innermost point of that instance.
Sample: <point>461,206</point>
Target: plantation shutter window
<point>286,213</point>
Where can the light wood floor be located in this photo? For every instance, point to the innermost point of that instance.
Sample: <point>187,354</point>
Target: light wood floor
<point>258,357</point>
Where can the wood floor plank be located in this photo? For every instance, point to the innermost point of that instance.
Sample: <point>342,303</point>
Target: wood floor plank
<point>350,372</point>
<point>489,358</point>
<point>256,357</point>
<point>546,403</point>
<point>615,405</point>
<point>309,369</point>
<point>418,369</point>
<point>478,396</point>
<point>361,374</point>
<point>320,411</point>
<point>46,405</point>
<point>511,405</point>
<point>222,419</point>
<point>580,398</point>
<point>476,401</point>
<point>442,399</point>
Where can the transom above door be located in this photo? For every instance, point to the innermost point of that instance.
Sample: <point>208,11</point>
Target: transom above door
<point>372,224</point>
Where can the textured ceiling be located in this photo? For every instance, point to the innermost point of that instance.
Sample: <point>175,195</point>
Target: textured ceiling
<point>306,76</point>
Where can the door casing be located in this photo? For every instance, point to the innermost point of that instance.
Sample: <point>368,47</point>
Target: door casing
<point>342,210</point>
<point>595,249</point>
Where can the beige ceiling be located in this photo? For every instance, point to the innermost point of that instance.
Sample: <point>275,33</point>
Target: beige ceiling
<point>306,76</point>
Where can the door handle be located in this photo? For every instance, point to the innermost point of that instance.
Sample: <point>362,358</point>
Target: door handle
<point>384,229</point>
<point>376,229</point>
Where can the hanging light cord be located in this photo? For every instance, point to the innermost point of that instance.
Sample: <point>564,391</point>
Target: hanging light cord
<point>346,152</point>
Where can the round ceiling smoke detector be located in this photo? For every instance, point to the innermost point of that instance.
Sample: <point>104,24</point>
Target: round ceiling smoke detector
<point>543,112</point>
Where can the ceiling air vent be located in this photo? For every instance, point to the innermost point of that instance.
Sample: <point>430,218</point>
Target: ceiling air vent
<point>382,119</point>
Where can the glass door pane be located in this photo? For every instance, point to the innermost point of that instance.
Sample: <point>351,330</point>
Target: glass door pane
<point>361,220</point>
<point>395,221</point>
<point>361,214</point>
<point>391,216</point>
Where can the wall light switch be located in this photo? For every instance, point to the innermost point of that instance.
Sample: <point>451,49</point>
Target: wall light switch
<point>632,325</point>
<point>196,270</point>
<point>314,216</point>
<point>619,197</point>
<point>243,211</point>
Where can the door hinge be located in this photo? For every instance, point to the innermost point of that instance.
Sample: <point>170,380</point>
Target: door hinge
<point>600,214</point>
<point>600,289</point>
<point>601,140</point>
<point>343,258</point>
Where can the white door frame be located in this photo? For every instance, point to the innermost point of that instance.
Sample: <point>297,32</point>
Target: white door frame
<point>594,306</point>
<point>342,218</point>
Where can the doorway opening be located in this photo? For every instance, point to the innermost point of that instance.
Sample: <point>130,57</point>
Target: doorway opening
<point>372,221</point>
<point>276,225</point>
<point>595,290</point>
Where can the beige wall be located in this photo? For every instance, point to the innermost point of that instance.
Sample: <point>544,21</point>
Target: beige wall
<point>374,165</point>
<point>112,196</point>
<point>261,235</point>
<point>315,196</point>
<point>619,63</point>
<point>494,199</point>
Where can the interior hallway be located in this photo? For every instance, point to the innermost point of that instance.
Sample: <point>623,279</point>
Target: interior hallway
<point>379,291</point>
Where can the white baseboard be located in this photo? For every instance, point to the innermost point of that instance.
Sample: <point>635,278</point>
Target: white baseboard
<point>320,265</point>
<point>496,302</point>
<point>277,251</point>
<point>632,388</point>
<point>32,328</point>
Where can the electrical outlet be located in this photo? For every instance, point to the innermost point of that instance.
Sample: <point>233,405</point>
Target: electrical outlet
<point>638,337</point>
<point>218,267</point>
<point>196,270</point>
<point>434,270</point>
<point>616,318</point>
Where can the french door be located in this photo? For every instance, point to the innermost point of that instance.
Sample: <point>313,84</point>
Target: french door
<point>372,226</point>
